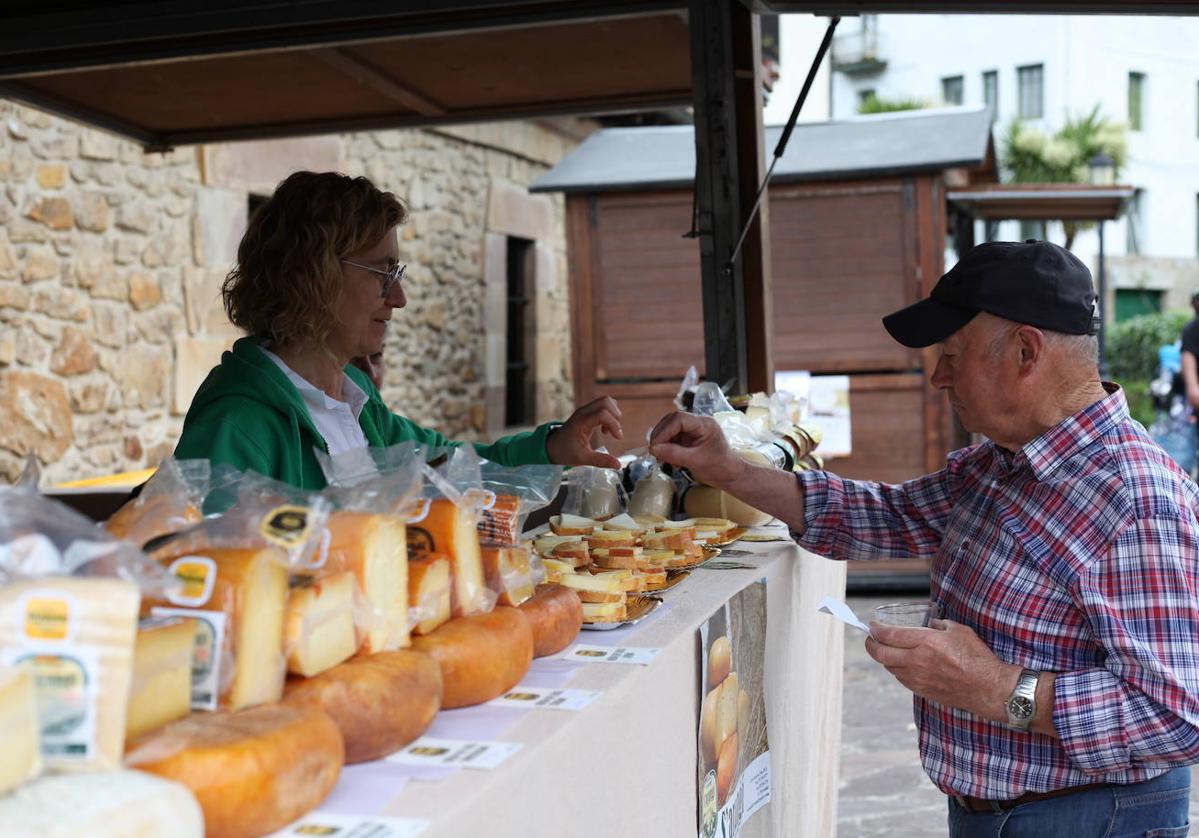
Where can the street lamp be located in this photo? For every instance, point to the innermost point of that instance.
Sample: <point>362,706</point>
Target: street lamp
<point>1103,173</point>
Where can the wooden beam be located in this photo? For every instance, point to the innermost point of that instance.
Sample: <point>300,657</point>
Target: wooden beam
<point>346,62</point>
<point>717,193</point>
<point>751,168</point>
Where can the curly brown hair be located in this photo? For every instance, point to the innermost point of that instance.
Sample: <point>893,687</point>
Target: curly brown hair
<point>288,278</point>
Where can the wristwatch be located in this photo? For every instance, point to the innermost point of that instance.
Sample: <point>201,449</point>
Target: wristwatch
<point>1022,703</point>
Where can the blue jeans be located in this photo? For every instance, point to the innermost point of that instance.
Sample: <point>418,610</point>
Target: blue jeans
<point>1156,808</point>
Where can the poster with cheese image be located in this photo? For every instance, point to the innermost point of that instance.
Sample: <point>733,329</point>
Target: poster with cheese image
<point>733,767</point>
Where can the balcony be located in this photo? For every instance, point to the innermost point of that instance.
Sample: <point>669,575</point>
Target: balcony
<point>858,54</point>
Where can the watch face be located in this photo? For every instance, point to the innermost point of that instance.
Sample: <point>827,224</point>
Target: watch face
<point>1020,708</point>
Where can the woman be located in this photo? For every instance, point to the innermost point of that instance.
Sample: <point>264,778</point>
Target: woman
<point>318,277</point>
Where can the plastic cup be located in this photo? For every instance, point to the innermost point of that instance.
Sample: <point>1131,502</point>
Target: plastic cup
<point>907,614</point>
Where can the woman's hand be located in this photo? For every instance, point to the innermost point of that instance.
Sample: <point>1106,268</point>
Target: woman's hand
<point>570,444</point>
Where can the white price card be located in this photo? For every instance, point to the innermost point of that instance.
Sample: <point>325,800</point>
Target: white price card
<point>455,753</point>
<point>830,605</point>
<point>352,826</point>
<point>585,653</point>
<point>544,698</point>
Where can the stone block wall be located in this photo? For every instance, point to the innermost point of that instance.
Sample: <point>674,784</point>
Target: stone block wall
<point>111,261</point>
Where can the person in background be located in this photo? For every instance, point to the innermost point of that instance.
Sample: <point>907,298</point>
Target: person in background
<point>372,365</point>
<point>1060,694</point>
<point>1190,354</point>
<point>318,278</point>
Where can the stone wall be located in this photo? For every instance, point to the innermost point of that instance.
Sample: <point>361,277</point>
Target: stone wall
<point>111,261</point>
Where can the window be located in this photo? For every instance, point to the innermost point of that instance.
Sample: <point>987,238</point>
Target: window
<point>1032,230</point>
<point>951,90</point>
<point>1134,235</point>
<point>1031,82</point>
<point>1133,302</point>
<point>520,380</point>
<point>1136,101</point>
<point>991,92</point>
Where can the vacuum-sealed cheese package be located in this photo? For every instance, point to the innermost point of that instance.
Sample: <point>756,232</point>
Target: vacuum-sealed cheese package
<point>170,501</point>
<point>594,493</point>
<point>518,491</point>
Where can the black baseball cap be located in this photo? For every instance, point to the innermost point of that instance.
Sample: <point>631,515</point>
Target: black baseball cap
<point>1033,282</point>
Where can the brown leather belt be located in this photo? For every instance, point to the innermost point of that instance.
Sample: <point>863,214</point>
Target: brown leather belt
<point>979,804</point>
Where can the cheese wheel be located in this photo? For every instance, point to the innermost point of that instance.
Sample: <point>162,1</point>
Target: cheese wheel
<point>715,503</point>
<point>375,549</point>
<point>379,702</point>
<point>481,656</point>
<point>450,529</point>
<point>555,615</point>
<point>104,804</point>
<point>253,771</point>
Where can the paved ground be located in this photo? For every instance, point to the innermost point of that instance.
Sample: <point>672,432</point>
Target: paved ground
<point>883,789</point>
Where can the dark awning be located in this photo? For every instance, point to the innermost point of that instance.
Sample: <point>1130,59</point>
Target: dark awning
<point>1042,201</point>
<point>190,71</point>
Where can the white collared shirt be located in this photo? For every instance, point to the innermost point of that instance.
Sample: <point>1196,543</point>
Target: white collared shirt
<point>336,421</point>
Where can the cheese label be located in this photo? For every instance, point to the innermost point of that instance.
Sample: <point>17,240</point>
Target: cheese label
<point>285,526</point>
<point>47,616</point>
<point>544,698</point>
<point>584,653</point>
<point>206,656</point>
<point>457,753</point>
<point>330,825</point>
<point>196,576</point>
<point>66,684</point>
<point>420,542</point>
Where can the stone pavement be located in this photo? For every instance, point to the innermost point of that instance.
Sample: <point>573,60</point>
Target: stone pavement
<point>883,789</point>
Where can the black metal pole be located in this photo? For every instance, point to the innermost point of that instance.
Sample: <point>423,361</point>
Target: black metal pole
<point>1102,308</point>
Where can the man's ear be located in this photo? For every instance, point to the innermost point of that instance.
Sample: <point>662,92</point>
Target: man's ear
<point>1031,341</point>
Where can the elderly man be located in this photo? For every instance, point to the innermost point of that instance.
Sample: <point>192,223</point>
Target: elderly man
<point>1060,694</point>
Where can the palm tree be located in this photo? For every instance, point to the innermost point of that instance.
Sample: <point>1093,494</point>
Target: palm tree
<point>1031,157</point>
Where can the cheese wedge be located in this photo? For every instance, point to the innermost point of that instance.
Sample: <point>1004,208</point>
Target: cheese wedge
<point>78,633</point>
<point>628,558</point>
<point>508,573</point>
<point>429,592</point>
<point>239,658</point>
<point>555,569</point>
<point>604,612</point>
<point>450,529</point>
<point>375,549</point>
<point>21,756</point>
<point>608,582</point>
<point>575,553</point>
<point>687,523</point>
<point>672,540</point>
<point>545,544</point>
<point>162,674</point>
<point>106,804</point>
<point>651,559</point>
<point>596,596</point>
<point>617,538</point>
<point>653,579</point>
<point>623,521</point>
<point>571,525</point>
<point>318,628</point>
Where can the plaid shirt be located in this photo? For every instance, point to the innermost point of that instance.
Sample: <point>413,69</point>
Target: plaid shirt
<point>1078,555</point>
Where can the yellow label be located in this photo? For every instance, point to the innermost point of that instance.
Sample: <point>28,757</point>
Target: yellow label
<point>196,576</point>
<point>286,526</point>
<point>47,618</point>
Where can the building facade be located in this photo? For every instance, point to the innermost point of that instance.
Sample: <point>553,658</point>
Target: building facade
<point>111,261</point>
<point>1142,71</point>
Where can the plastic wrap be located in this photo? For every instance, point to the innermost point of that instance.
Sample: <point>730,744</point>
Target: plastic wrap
<point>30,479</point>
<point>518,492</point>
<point>430,582</point>
<point>653,494</point>
<point>512,572</point>
<point>593,492</point>
<point>170,501</point>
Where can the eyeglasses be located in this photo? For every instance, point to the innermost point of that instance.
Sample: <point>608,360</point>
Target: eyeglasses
<point>391,276</point>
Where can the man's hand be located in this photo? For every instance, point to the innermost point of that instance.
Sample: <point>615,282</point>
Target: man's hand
<point>570,444</point>
<point>696,443</point>
<point>946,663</point>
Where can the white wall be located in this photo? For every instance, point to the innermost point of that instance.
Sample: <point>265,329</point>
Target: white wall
<point>799,38</point>
<point>1086,61</point>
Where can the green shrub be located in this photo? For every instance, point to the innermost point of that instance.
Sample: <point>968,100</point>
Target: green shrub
<point>1132,347</point>
<point>873,104</point>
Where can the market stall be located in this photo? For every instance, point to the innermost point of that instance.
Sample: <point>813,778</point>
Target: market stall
<point>574,767</point>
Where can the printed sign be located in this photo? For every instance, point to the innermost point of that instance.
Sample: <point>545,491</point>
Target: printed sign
<point>584,653</point>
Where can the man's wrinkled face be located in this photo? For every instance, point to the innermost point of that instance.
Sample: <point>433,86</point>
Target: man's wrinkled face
<point>969,371</point>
